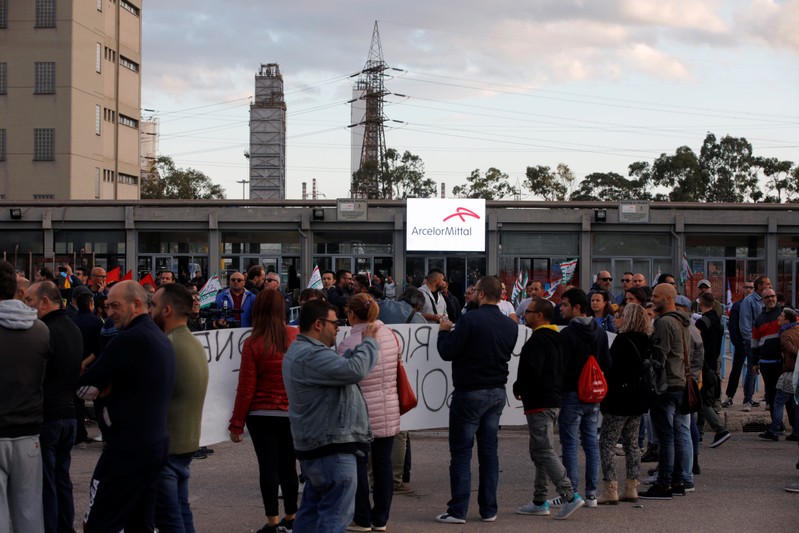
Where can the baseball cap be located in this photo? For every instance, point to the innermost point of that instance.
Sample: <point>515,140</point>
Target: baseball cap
<point>682,301</point>
<point>703,283</point>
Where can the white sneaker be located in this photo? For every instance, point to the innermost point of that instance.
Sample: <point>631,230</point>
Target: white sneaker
<point>746,407</point>
<point>590,501</point>
<point>533,509</point>
<point>447,518</point>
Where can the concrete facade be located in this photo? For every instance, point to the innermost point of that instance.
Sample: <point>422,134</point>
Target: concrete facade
<point>724,243</point>
<point>72,72</point>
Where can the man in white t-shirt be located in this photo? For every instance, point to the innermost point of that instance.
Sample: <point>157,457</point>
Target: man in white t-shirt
<point>435,305</point>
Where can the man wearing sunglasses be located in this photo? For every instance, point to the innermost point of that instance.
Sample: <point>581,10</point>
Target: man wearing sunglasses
<point>239,301</point>
<point>602,283</point>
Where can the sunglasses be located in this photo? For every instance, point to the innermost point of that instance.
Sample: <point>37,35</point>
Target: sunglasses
<point>606,279</point>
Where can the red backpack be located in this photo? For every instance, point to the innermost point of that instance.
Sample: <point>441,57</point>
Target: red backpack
<point>591,386</point>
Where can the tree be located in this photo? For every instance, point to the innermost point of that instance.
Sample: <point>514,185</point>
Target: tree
<point>780,179</point>
<point>551,186</point>
<point>493,186</point>
<point>728,170</point>
<point>608,187</point>
<point>682,173</point>
<point>166,182</point>
<point>402,177</point>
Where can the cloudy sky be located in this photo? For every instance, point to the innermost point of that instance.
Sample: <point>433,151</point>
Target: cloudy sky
<point>595,84</point>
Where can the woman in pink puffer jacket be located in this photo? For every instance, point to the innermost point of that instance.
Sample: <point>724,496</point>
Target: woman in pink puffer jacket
<point>380,392</point>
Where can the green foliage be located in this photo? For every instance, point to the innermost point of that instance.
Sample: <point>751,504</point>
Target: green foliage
<point>171,183</point>
<point>549,185</point>
<point>402,177</point>
<point>782,179</point>
<point>609,187</point>
<point>494,185</point>
<point>728,170</point>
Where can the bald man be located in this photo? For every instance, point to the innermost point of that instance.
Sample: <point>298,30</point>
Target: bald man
<point>671,332</point>
<point>131,383</point>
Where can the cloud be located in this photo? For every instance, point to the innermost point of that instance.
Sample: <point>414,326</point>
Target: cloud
<point>771,22</point>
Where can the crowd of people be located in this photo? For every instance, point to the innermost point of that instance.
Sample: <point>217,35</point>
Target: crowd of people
<point>334,408</point>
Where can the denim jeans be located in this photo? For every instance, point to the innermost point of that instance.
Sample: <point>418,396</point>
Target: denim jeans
<point>686,438</point>
<point>784,400</point>
<point>474,414</point>
<point>328,500</point>
<point>548,466</point>
<point>672,439</point>
<point>57,438</point>
<point>578,418</point>
<point>172,511</point>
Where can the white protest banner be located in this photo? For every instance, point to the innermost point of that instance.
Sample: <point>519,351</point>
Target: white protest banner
<point>430,376</point>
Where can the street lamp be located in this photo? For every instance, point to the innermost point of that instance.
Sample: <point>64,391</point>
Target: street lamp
<point>243,183</point>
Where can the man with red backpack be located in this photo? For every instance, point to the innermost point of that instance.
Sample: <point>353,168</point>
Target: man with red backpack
<point>578,418</point>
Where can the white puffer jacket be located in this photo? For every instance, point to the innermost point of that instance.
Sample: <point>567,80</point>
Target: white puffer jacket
<point>380,386</point>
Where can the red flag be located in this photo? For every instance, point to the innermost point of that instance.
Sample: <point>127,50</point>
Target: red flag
<point>147,279</point>
<point>112,275</point>
<point>128,276</point>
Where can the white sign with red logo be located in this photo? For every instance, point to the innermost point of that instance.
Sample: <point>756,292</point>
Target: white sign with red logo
<point>446,224</point>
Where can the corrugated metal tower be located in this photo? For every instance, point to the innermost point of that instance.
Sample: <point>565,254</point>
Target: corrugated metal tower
<point>268,136</point>
<point>372,92</point>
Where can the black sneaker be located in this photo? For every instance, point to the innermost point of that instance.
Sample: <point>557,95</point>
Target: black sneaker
<point>656,492</point>
<point>727,403</point>
<point>792,437</point>
<point>285,525</point>
<point>768,435</point>
<point>678,489</point>
<point>754,403</point>
<point>651,454</point>
<point>721,438</point>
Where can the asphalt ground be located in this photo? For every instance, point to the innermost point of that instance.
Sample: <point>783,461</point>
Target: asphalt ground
<point>740,489</point>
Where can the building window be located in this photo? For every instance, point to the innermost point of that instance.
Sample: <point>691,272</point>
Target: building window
<point>2,145</point>
<point>97,119</point>
<point>3,76</point>
<point>45,14</point>
<point>44,144</point>
<point>99,5</point>
<point>127,6</point>
<point>108,175</point>
<point>127,121</point>
<point>110,54</point>
<point>3,14</point>
<point>43,196</point>
<point>98,61</point>
<point>109,115</point>
<point>96,182</point>
<point>127,179</point>
<point>44,77</point>
<point>127,63</point>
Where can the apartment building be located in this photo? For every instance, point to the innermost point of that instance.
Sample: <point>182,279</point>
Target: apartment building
<point>70,99</point>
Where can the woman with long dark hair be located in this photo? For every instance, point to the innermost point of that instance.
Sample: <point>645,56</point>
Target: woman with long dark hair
<point>380,392</point>
<point>624,403</point>
<point>602,310</point>
<point>262,404</point>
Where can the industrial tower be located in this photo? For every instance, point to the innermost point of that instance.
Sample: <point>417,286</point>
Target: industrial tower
<point>268,136</point>
<point>368,119</point>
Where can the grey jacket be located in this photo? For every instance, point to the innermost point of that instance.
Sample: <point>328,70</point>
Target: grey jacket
<point>671,331</point>
<point>325,403</point>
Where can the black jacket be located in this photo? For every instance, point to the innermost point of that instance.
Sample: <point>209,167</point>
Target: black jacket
<point>63,366</point>
<point>625,396</point>
<point>542,365</point>
<point>585,337</point>
<point>709,325</point>
<point>139,365</point>
<point>479,347</point>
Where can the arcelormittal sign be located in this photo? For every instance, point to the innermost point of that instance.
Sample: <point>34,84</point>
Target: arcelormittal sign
<point>447,225</point>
